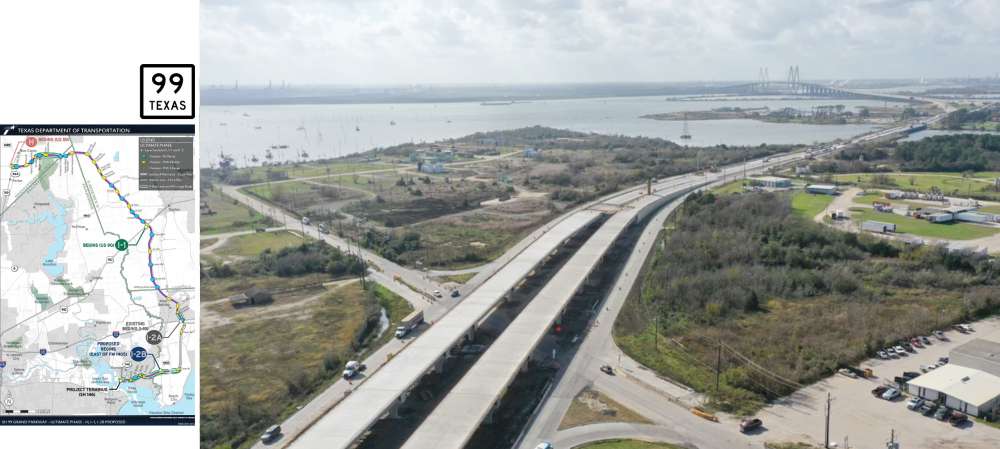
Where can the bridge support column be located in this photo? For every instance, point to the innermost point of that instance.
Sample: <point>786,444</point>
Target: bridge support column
<point>492,413</point>
<point>398,404</point>
<point>439,364</point>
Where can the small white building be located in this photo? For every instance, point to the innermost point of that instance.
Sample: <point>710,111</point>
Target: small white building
<point>968,390</point>
<point>822,189</point>
<point>772,182</point>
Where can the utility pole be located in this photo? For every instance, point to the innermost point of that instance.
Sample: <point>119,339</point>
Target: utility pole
<point>826,439</point>
<point>656,332</point>
<point>892,444</point>
<point>718,366</point>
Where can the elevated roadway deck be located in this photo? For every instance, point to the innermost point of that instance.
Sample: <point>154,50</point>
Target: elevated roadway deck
<point>370,401</point>
<point>456,418</point>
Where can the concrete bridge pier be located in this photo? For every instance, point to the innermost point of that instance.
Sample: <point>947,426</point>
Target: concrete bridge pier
<point>439,363</point>
<point>492,413</point>
<point>398,404</point>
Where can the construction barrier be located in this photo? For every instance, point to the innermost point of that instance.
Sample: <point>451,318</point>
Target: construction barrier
<point>709,416</point>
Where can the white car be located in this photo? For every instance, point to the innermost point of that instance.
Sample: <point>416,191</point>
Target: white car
<point>437,293</point>
<point>544,445</point>
<point>890,394</point>
<point>899,350</point>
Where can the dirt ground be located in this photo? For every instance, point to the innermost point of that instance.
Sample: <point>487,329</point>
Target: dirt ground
<point>866,421</point>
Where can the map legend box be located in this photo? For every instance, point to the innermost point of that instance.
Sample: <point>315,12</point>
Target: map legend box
<point>166,163</point>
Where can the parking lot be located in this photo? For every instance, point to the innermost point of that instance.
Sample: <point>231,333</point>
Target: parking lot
<point>866,421</point>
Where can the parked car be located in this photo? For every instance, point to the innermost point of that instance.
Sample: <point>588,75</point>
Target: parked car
<point>607,369</point>
<point>879,391</point>
<point>437,293</point>
<point>544,445</point>
<point>943,359</point>
<point>911,374</point>
<point>455,293</point>
<point>926,341</point>
<point>890,394</point>
<point>914,403</point>
<point>957,418</point>
<point>939,335</point>
<point>750,424</point>
<point>942,413</point>
<point>928,408</point>
<point>899,350</point>
<point>848,373</point>
<point>271,434</point>
<point>909,348</point>
<point>916,342</point>
<point>960,328</point>
<point>882,355</point>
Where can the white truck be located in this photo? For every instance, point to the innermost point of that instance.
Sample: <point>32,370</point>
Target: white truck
<point>409,323</point>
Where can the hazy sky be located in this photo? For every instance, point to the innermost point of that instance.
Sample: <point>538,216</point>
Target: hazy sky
<point>520,41</point>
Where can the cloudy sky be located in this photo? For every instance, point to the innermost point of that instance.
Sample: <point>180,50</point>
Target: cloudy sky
<point>524,41</point>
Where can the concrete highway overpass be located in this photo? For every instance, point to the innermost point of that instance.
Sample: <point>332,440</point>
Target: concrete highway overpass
<point>387,388</point>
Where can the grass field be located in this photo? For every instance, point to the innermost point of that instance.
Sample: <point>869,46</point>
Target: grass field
<point>772,445</point>
<point>218,288</point>
<point>628,444</point>
<point>457,278</point>
<point>730,187</point>
<point>809,205</point>
<point>592,407</point>
<point>307,170</point>
<point>251,366</point>
<point>253,244</point>
<point>229,215</point>
<point>924,228</point>
<point>272,191</point>
<point>948,183</point>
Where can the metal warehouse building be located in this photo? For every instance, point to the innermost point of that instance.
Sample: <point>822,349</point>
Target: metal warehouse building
<point>773,182</point>
<point>822,189</point>
<point>969,383</point>
<point>967,390</point>
<point>983,355</point>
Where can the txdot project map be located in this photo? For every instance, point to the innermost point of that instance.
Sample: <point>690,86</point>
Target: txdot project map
<point>98,274</point>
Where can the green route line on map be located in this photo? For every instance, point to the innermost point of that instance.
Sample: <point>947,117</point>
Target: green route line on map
<point>149,246</point>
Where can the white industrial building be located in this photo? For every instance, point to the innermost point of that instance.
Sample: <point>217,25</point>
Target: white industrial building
<point>822,189</point>
<point>969,383</point>
<point>967,390</point>
<point>980,354</point>
<point>771,182</point>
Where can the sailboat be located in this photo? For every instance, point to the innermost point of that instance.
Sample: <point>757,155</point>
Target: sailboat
<point>686,133</point>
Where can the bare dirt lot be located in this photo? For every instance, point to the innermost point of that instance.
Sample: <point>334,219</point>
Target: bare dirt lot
<point>866,421</point>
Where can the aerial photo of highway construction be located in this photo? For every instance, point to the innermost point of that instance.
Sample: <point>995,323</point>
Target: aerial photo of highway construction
<point>792,261</point>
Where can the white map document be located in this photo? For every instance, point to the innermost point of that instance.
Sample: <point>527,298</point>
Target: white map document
<point>98,275</point>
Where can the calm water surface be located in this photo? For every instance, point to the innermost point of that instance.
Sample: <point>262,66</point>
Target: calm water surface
<point>343,129</point>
